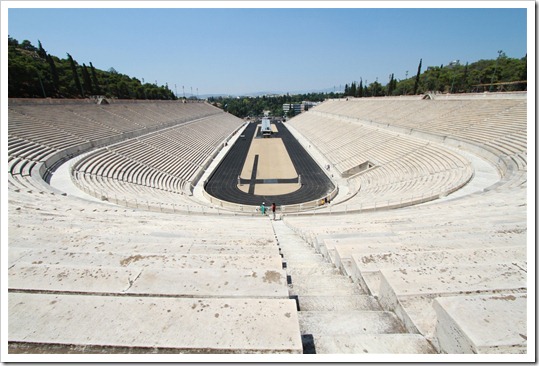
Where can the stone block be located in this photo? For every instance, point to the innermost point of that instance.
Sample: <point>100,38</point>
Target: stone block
<point>185,325</point>
<point>482,324</point>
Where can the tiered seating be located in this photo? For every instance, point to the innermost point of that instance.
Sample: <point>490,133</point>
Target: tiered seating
<point>406,170</point>
<point>40,136</point>
<point>166,160</point>
<point>128,281</point>
<point>456,270</point>
<point>410,257</point>
<point>125,280</point>
<point>496,123</point>
<point>38,131</point>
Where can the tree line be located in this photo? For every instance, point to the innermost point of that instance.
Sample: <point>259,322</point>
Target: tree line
<point>34,73</point>
<point>255,106</point>
<point>500,74</point>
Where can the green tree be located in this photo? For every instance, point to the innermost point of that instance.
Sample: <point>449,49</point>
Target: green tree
<point>353,89</point>
<point>54,73</point>
<point>416,84</point>
<point>26,71</point>
<point>123,90</point>
<point>12,41</point>
<point>75,74</point>
<point>27,45</point>
<point>87,82</point>
<point>464,84</point>
<point>41,51</point>
<point>95,81</point>
<point>376,89</point>
<point>32,73</point>
<point>391,85</point>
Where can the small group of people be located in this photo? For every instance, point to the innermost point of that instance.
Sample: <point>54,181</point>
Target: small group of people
<point>263,208</point>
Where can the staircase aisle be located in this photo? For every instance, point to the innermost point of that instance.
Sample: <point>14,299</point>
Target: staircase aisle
<point>336,315</point>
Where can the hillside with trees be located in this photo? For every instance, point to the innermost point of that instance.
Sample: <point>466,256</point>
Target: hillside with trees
<point>34,73</point>
<point>500,74</point>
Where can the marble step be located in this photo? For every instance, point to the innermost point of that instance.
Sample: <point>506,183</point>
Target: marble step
<point>337,303</point>
<point>183,325</point>
<point>373,343</point>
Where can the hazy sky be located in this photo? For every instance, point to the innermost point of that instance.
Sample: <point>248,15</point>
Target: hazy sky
<point>244,50</point>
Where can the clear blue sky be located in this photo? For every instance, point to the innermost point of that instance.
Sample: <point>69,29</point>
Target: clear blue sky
<point>239,51</point>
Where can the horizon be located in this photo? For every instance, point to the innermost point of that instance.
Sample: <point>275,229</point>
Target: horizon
<point>244,51</point>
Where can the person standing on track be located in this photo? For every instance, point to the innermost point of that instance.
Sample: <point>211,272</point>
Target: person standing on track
<point>263,208</point>
<point>273,210</point>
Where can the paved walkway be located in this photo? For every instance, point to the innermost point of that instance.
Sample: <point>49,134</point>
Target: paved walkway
<point>61,180</point>
<point>485,175</point>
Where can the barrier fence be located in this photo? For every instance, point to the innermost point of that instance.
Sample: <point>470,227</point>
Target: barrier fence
<point>299,207</point>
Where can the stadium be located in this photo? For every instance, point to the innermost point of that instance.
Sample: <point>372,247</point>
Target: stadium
<point>400,227</point>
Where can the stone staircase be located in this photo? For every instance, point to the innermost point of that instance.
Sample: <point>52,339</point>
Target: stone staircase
<point>335,314</point>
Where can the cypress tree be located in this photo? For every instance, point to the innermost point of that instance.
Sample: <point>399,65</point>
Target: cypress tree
<point>75,75</point>
<point>86,79</point>
<point>416,84</point>
<point>360,89</point>
<point>465,78</point>
<point>353,89</point>
<point>390,85</point>
<point>94,79</point>
<point>54,73</point>
<point>41,51</point>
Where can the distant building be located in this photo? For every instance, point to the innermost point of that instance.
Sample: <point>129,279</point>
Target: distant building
<point>306,105</point>
<point>296,107</point>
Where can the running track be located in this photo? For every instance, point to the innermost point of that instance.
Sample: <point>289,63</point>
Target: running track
<point>222,184</point>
